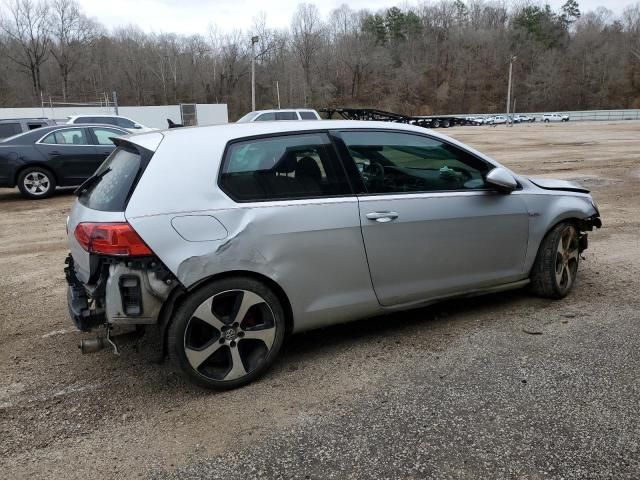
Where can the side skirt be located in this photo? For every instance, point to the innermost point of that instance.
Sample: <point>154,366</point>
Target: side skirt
<point>471,293</point>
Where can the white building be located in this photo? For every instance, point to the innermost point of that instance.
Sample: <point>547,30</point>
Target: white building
<point>154,116</point>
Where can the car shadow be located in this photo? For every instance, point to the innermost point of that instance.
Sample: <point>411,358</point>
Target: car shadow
<point>396,324</point>
<point>14,196</point>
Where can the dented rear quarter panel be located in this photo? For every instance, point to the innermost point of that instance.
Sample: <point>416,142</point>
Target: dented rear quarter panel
<point>314,252</point>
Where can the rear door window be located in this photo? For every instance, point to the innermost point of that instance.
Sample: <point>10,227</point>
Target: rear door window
<point>283,167</point>
<point>110,186</point>
<point>286,116</point>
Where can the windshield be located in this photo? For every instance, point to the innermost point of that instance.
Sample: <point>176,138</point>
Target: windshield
<point>248,117</point>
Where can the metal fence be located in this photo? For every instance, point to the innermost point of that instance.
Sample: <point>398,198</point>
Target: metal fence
<point>582,115</point>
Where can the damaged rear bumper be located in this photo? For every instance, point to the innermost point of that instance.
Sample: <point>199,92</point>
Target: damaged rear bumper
<point>84,317</point>
<point>125,293</point>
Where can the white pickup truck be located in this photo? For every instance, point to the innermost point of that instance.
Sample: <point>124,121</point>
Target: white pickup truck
<point>555,117</point>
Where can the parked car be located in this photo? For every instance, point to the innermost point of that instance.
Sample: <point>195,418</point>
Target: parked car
<point>499,119</point>
<point>555,117</point>
<point>14,126</point>
<point>488,120</point>
<point>39,160</point>
<point>475,120</point>
<point>286,114</point>
<point>265,230</point>
<point>116,120</point>
<point>523,119</point>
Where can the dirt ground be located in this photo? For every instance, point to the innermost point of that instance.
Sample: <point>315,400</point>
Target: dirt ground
<point>457,390</point>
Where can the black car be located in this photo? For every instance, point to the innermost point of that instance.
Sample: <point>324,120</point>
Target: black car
<point>64,156</point>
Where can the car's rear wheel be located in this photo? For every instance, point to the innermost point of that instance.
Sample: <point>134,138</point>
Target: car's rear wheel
<point>36,183</point>
<point>227,333</point>
<point>556,266</point>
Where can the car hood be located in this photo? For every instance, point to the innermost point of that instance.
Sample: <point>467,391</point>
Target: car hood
<point>553,184</point>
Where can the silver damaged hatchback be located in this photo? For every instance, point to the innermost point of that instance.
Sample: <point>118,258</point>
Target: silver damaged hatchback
<point>225,239</point>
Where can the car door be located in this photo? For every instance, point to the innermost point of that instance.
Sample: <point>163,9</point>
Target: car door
<point>101,137</point>
<point>430,225</point>
<point>69,151</point>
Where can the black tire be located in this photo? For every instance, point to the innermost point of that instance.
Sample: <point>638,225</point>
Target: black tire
<point>554,273</point>
<point>435,124</point>
<point>227,296</point>
<point>37,183</point>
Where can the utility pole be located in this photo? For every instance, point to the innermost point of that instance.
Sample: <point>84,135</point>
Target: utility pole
<point>512,59</point>
<point>278,93</point>
<point>115,101</point>
<point>254,40</point>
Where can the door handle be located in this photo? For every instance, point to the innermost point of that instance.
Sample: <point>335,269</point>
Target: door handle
<point>382,217</point>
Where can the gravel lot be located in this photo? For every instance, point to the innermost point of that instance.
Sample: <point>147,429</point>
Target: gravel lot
<point>457,390</point>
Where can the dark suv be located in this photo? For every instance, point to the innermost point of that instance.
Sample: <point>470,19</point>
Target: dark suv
<point>14,126</point>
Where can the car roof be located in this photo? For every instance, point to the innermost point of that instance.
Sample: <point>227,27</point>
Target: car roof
<point>94,115</point>
<point>9,120</point>
<point>35,134</point>
<point>232,131</point>
<point>275,110</point>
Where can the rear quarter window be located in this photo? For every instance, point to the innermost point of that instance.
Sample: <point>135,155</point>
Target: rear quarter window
<point>9,129</point>
<point>293,166</point>
<point>116,178</point>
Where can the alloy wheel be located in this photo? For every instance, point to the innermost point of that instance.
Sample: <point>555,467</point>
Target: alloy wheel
<point>229,335</point>
<point>567,256</point>
<point>37,183</point>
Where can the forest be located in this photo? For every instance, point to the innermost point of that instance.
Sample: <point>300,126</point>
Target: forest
<point>446,56</point>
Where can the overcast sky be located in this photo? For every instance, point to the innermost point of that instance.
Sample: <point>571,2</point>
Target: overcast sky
<point>194,16</point>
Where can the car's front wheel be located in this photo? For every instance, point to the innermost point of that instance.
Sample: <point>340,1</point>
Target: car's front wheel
<point>36,183</point>
<point>556,266</point>
<point>227,333</point>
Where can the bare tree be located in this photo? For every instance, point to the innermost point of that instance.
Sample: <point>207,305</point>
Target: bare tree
<point>26,27</point>
<point>306,30</point>
<point>72,35</point>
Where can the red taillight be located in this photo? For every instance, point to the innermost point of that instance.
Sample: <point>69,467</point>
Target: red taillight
<point>111,239</point>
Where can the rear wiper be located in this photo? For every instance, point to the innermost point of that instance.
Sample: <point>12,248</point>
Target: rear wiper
<point>89,182</point>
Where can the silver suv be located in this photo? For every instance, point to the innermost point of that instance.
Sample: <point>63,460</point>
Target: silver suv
<point>228,238</point>
<point>286,114</point>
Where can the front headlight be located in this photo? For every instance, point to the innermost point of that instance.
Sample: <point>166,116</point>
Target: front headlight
<point>595,206</point>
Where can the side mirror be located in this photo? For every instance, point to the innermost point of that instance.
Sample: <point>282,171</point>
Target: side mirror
<point>137,126</point>
<point>502,180</point>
